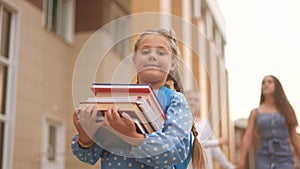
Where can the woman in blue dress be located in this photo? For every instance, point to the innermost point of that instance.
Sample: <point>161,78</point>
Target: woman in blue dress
<point>275,122</point>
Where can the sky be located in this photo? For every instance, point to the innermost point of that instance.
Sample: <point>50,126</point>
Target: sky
<point>262,38</point>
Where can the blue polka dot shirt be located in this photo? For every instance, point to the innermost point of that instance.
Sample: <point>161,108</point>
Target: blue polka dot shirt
<point>159,150</point>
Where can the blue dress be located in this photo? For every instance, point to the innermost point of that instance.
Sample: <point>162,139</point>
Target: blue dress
<point>160,149</point>
<point>274,151</point>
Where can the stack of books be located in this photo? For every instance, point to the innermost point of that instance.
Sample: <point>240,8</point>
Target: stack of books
<point>137,100</point>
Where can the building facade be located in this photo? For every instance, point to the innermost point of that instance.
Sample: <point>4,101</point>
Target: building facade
<point>51,49</point>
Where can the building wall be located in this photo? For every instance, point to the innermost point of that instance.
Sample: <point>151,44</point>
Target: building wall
<point>138,6</point>
<point>46,66</point>
<point>71,161</point>
<point>44,78</point>
<point>93,19</point>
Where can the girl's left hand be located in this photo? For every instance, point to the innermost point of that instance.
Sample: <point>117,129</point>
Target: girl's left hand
<point>123,126</point>
<point>86,125</point>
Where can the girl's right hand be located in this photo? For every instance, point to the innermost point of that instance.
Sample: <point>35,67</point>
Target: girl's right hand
<point>85,123</point>
<point>240,166</point>
<point>123,127</point>
<point>223,141</point>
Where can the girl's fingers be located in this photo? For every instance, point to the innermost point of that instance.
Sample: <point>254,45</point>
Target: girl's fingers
<point>115,114</point>
<point>88,111</point>
<point>75,115</point>
<point>127,119</point>
<point>94,113</point>
<point>107,116</point>
<point>126,116</point>
<point>112,114</point>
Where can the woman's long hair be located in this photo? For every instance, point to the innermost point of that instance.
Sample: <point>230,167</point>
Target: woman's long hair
<point>283,104</point>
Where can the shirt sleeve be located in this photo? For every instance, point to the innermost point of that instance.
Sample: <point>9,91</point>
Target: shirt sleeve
<point>90,155</point>
<point>221,158</point>
<point>159,149</point>
<point>212,142</point>
<point>162,149</point>
<point>207,139</point>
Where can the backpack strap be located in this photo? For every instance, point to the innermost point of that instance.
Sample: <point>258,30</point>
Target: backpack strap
<point>164,96</point>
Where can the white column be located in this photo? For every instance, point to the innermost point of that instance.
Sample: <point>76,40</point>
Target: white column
<point>209,25</point>
<point>187,40</point>
<point>202,51</point>
<point>197,9</point>
<point>165,18</point>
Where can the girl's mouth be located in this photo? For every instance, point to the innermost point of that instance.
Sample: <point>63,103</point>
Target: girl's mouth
<point>151,67</point>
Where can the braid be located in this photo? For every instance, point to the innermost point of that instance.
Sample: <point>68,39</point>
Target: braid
<point>198,152</point>
<point>175,77</point>
<point>173,81</point>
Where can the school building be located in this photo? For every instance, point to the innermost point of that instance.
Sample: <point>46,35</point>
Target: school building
<point>52,50</point>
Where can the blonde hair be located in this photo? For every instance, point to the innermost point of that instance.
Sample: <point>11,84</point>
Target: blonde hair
<point>174,82</point>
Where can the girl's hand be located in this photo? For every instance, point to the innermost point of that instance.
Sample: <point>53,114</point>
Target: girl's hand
<point>85,123</point>
<point>123,126</point>
<point>240,166</point>
<point>223,141</point>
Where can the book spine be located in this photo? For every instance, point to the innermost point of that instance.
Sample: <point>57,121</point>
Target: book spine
<point>150,115</point>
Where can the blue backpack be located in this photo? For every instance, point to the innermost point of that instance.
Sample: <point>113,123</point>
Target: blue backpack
<point>164,96</point>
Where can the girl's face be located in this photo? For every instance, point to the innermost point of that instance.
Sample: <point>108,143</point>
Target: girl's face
<point>153,60</point>
<point>268,86</point>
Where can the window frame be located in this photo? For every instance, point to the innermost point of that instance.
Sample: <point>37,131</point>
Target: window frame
<point>116,32</point>
<point>10,99</point>
<point>65,23</point>
<point>60,142</point>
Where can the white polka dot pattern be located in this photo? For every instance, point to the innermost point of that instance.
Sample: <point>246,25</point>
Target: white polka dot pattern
<point>159,149</point>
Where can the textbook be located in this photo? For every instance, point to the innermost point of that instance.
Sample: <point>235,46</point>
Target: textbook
<point>137,100</point>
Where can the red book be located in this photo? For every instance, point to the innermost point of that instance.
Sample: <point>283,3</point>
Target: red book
<point>137,100</point>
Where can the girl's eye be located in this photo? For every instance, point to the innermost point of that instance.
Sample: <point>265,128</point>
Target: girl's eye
<point>161,52</point>
<point>145,51</point>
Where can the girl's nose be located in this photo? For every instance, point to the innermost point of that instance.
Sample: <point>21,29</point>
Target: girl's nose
<point>152,55</point>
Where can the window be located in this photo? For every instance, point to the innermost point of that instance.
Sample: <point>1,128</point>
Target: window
<point>8,73</point>
<point>51,154</point>
<point>5,32</point>
<point>3,82</point>
<point>59,17</point>
<point>119,28</point>
<point>54,136</point>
